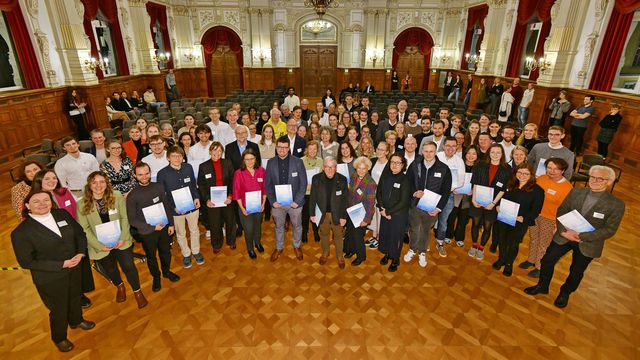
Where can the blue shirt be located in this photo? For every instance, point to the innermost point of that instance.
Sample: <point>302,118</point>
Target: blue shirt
<point>583,123</point>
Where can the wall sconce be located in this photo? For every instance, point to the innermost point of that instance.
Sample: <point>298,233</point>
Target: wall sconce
<point>261,54</point>
<point>161,58</point>
<point>542,64</point>
<point>290,71</point>
<point>191,55</point>
<point>346,71</point>
<point>92,64</point>
<point>445,58</point>
<point>375,55</point>
<point>441,56</point>
<point>472,59</point>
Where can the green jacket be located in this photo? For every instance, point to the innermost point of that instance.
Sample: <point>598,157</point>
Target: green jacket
<point>89,222</point>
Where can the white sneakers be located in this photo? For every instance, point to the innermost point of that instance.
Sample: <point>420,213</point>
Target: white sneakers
<point>422,259</point>
<point>409,255</point>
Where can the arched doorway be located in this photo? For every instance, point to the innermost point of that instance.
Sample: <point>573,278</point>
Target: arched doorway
<point>223,59</point>
<point>412,53</point>
<point>318,56</point>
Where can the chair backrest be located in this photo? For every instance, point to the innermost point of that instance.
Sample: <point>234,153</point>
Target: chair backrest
<point>85,145</point>
<point>43,159</point>
<point>589,160</point>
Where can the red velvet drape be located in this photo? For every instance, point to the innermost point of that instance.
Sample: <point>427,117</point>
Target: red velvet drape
<point>158,13</point>
<point>220,35</point>
<point>613,44</point>
<point>476,15</point>
<point>414,37</point>
<point>110,10</point>
<point>22,41</point>
<point>527,9</point>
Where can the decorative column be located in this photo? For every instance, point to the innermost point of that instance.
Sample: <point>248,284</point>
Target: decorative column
<point>375,25</point>
<point>282,42</point>
<point>498,31</point>
<point>448,55</point>
<point>141,43</point>
<point>261,52</point>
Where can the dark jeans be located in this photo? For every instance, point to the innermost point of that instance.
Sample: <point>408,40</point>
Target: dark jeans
<point>217,218</point>
<point>160,243</point>
<point>559,122</point>
<point>457,224</point>
<point>481,217</point>
<point>603,149</point>
<point>252,225</point>
<point>62,298</point>
<point>579,264</point>
<point>306,221</point>
<point>509,239</point>
<point>577,139</point>
<point>355,240</point>
<point>125,259</point>
<point>81,130</point>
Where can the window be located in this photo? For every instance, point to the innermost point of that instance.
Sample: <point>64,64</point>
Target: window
<point>10,74</point>
<point>104,40</point>
<point>530,46</point>
<point>628,75</point>
<point>474,50</point>
<point>160,45</point>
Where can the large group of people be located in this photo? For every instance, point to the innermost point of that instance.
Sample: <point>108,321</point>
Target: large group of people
<point>400,176</point>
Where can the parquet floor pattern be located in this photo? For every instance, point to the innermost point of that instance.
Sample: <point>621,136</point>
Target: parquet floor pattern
<point>235,308</point>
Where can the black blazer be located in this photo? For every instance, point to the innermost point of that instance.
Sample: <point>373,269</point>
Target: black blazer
<point>399,197</point>
<point>338,192</point>
<point>299,144</point>
<point>207,178</point>
<point>232,153</point>
<point>43,252</point>
<point>481,177</point>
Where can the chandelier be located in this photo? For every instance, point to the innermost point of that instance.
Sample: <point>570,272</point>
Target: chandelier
<point>317,26</point>
<point>321,6</point>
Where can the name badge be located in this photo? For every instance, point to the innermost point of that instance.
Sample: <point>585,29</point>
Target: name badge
<point>359,191</point>
<point>295,174</point>
<point>437,174</point>
<point>396,185</point>
<point>207,176</point>
<point>113,211</point>
<point>339,192</point>
<point>260,180</point>
<point>67,203</point>
<point>499,184</point>
<point>62,223</point>
<point>156,199</point>
<point>186,180</point>
<point>551,192</point>
<point>299,150</point>
<point>598,215</point>
<point>126,167</point>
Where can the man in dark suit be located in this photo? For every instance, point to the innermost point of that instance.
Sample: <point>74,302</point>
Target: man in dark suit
<point>369,89</point>
<point>284,169</point>
<point>121,105</point>
<point>603,211</point>
<point>234,150</point>
<point>296,143</point>
<point>448,84</point>
<point>388,124</point>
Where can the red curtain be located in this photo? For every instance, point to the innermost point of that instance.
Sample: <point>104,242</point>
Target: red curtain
<point>158,13</point>
<point>22,42</point>
<point>414,37</point>
<point>220,35</point>
<point>476,15</point>
<point>110,11</point>
<point>613,45</point>
<point>527,9</point>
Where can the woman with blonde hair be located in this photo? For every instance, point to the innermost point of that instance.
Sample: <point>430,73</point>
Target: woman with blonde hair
<point>529,137</point>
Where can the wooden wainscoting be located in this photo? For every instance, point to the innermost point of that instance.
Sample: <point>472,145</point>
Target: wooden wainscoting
<point>192,83</point>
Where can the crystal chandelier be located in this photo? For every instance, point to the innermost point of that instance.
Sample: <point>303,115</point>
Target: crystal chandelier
<point>317,26</point>
<point>321,6</point>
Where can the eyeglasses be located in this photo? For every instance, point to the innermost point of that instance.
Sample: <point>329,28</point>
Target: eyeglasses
<point>396,162</point>
<point>523,173</point>
<point>283,147</point>
<point>598,179</point>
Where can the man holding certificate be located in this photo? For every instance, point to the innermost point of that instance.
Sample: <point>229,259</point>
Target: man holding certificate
<point>457,167</point>
<point>430,181</point>
<point>286,184</point>
<point>586,218</point>
<point>329,194</point>
<point>147,209</point>
<point>180,188</point>
<point>554,148</point>
<point>518,209</point>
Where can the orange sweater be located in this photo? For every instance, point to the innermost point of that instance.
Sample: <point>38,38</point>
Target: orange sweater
<point>554,195</point>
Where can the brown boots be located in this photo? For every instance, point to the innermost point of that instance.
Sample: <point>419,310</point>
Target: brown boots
<point>121,296</point>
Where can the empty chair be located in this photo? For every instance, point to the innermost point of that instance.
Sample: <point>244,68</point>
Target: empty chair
<point>179,116</point>
<point>164,116</point>
<point>109,133</point>
<point>44,159</point>
<point>148,116</point>
<point>85,145</point>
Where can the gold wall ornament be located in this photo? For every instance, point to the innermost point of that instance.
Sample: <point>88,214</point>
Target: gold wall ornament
<point>321,6</point>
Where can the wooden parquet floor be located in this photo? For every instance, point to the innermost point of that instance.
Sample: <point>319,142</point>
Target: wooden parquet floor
<point>235,308</point>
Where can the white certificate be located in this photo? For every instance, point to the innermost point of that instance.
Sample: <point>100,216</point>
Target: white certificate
<point>318,215</point>
<point>466,187</point>
<point>454,178</point>
<point>155,215</point>
<point>541,169</point>
<point>310,173</point>
<point>356,214</point>
<point>108,234</point>
<point>253,201</point>
<point>508,212</point>
<point>344,170</point>
<point>484,195</point>
<point>573,220</point>
<point>429,201</point>
<point>183,200</point>
<point>218,196</point>
<point>284,194</point>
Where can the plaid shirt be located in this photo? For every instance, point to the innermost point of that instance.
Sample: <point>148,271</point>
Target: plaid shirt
<point>367,195</point>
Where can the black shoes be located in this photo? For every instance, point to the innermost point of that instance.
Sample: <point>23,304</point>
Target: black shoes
<point>497,265</point>
<point>494,247</point>
<point>356,262</point>
<point>394,265</point>
<point>173,277</point>
<point>535,273</point>
<point>508,270</point>
<point>65,345</point>
<point>384,260</point>
<point>252,254</point>
<point>156,284</point>
<point>348,255</point>
<point>260,248</point>
<point>562,300</point>
<point>537,289</point>
<point>85,302</point>
<point>525,264</point>
<point>84,325</point>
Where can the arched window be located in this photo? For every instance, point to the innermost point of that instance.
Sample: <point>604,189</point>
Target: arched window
<point>628,71</point>
<point>104,40</point>
<point>530,48</point>
<point>10,74</point>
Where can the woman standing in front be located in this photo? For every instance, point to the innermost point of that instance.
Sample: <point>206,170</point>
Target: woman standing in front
<point>249,178</point>
<point>362,189</point>
<point>20,190</point>
<point>51,244</point>
<point>494,175</point>
<point>393,199</point>
<point>522,190</point>
<point>379,164</point>
<point>459,217</point>
<point>102,204</point>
